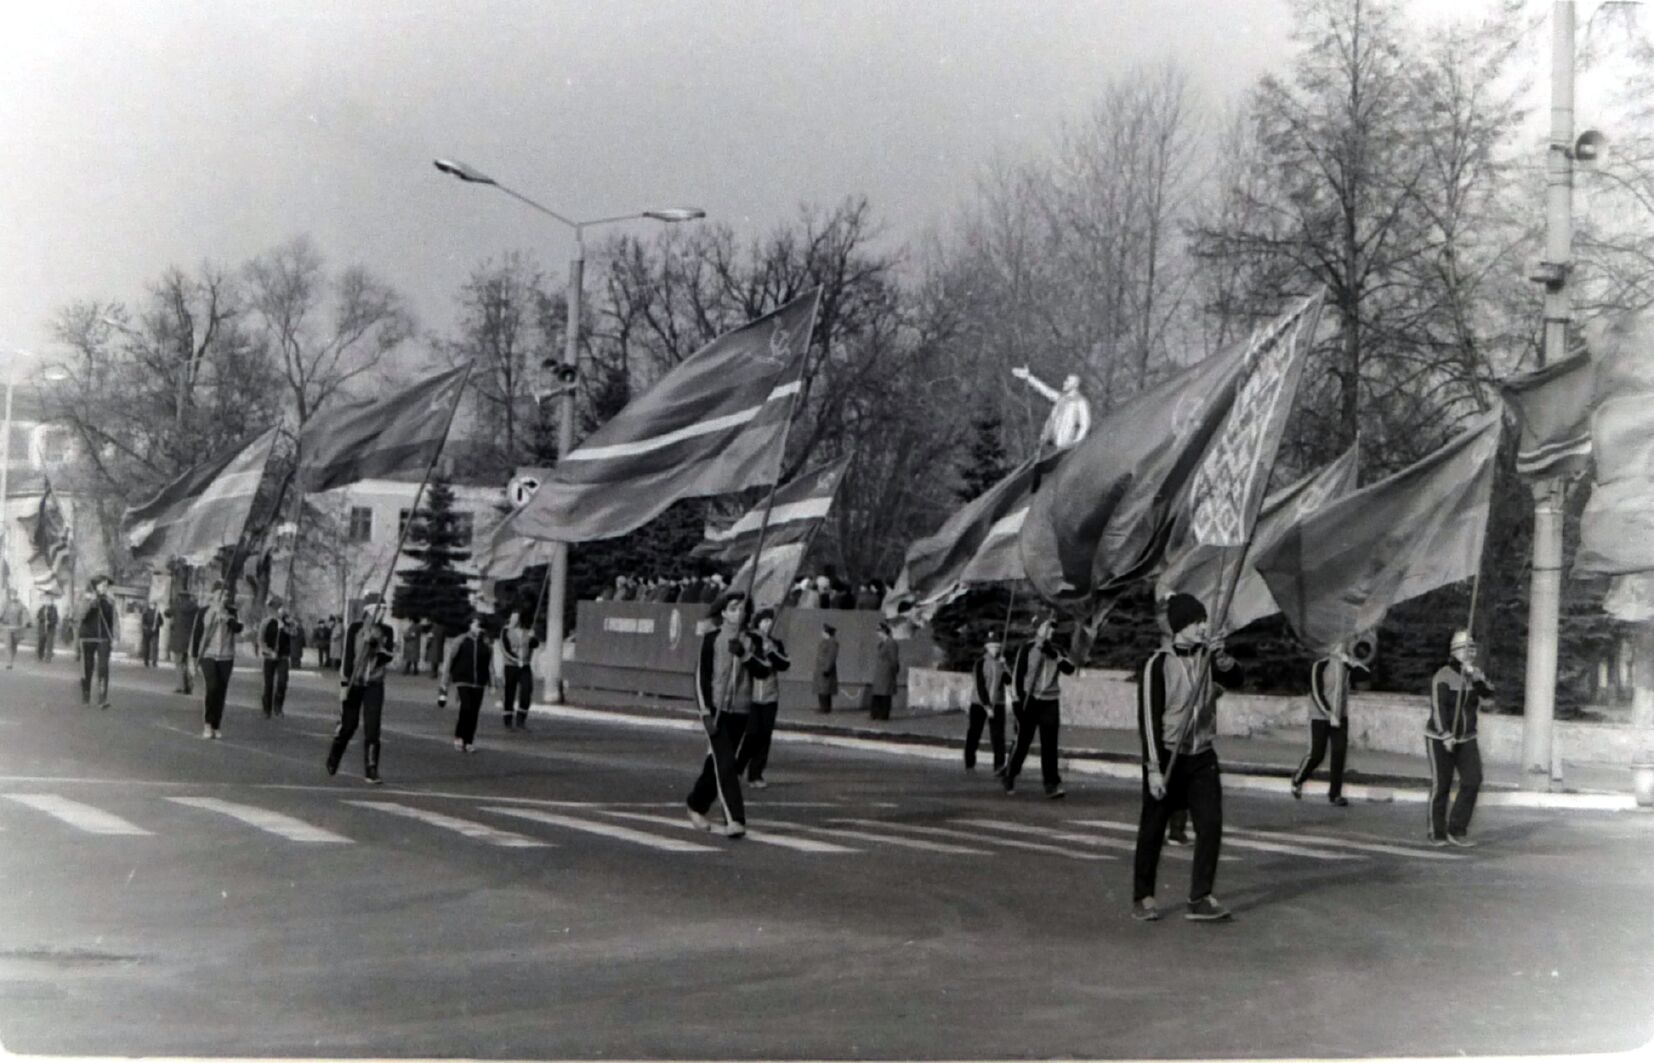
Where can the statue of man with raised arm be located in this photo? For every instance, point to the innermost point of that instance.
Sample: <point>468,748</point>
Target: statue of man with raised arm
<point>1070,417</point>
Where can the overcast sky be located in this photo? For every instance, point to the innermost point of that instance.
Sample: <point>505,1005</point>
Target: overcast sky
<point>145,134</point>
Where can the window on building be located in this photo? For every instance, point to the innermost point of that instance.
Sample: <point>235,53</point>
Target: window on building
<point>361,524</point>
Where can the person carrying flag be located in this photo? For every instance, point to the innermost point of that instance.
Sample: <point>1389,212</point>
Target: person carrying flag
<point>766,659</point>
<point>214,645</point>
<point>1035,682</point>
<point>990,678</point>
<point>723,694</point>
<point>370,647</point>
<point>1456,694</point>
<point>96,632</point>
<point>1329,697</point>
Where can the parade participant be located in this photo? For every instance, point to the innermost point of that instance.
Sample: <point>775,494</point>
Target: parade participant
<point>470,669</point>
<point>517,646</point>
<point>275,647</point>
<point>887,663</point>
<point>370,648</point>
<point>989,681</point>
<point>723,694</point>
<point>410,646</point>
<point>766,659</point>
<point>1035,685</point>
<point>149,635</point>
<point>96,635</point>
<point>825,684</point>
<point>1177,700</point>
<point>46,620</point>
<point>1456,694</point>
<point>1329,697</point>
<point>436,642</point>
<point>181,639</point>
<point>214,645</point>
<point>321,636</point>
<point>14,619</point>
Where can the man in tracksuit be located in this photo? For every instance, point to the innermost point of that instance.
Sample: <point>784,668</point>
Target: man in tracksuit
<point>1456,694</point>
<point>181,639</point>
<point>1176,724</point>
<point>370,647</point>
<point>218,625</point>
<point>766,659</point>
<point>1034,684</point>
<point>723,694</point>
<point>470,668</point>
<point>275,645</point>
<point>517,646</point>
<point>96,632</point>
<point>989,680</point>
<point>1329,698</point>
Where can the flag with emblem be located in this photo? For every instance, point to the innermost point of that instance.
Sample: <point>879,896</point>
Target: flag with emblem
<point>358,441</point>
<point>713,425</point>
<point>204,509</point>
<point>1553,406</point>
<point>1104,516</point>
<point>799,509</point>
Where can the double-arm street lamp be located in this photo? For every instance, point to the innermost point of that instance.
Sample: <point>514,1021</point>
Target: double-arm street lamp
<point>557,584</point>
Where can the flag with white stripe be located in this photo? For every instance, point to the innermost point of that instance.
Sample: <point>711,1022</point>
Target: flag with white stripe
<point>798,509</point>
<point>1553,406</point>
<point>202,510</point>
<point>714,424</point>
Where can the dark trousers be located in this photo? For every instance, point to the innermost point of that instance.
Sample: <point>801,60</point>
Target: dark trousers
<point>1041,718</point>
<point>880,708</point>
<point>1193,785</point>
<point>753,752</point>
<point>824,703</point>
<point>1321,735</point>
<point>215,678</point>
<point>13,637</point>
<point>275,684</point>
<point>43,646</point>
<point>519,689</point>
<point>364,705</point>
<point>470,706</point>
<point>995,723</point>
<point>148,647</point>
<point>1465,759</point>
<point>94,659</point>
<point>184,666</point>
<point>719,779</point>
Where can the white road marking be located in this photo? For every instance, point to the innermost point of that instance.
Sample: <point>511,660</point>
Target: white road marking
<point>83,817</point>
<point>608,830</point>
<point>479,831</point>
<point>1230,839</point>
<point>294,830</point>
<point>887,839</point>
<point>1065,836</point>
<point>960,835</point>
<point>762,837</point>
<point>1344,843</point>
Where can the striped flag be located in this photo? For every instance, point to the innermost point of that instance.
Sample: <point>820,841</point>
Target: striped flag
<point>714,424</point>
<point>362,440</point>
<point>509,558</point>
<point>799,508</point>
<point>202,510</point>
<point>1554,406</point>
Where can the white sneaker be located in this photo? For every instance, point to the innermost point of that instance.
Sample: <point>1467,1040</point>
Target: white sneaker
<point>470,749</point>
<point>216,733</point>
<point>459,745</point>
<point>700,821</point>
<point>735,830</point>
<point>759,784</point>
<point>206,732</point>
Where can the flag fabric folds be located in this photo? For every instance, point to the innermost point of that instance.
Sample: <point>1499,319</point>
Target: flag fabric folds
<point>202,510</point>
<point>1338,571</point>
<point>1616,531</point>
<point>798,510</point>
<point>50,537</point>
<point>393,434</point>
<point>1103,518</point>
<point>777,568</point>
<point>1553,406</point>
<point>1202,570</point>
<point>716,423</point>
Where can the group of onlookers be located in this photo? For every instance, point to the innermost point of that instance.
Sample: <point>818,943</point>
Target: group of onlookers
<point>808,592</point>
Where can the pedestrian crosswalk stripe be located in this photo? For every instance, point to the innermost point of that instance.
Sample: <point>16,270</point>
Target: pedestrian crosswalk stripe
<point>1010,843</point>
<point>762,837</point>
<point>84,817</point>
<point>1230,839</point>
<point>478,831</point>
<point>886,839</point>
<point>1066,836</point>
<point>608,830</point>
<point>1345,843</point>
<point>294,830</point>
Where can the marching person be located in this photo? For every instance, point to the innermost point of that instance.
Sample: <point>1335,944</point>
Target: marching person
<point>825,683</point>
<point>723,693</point>
<point>766,659</point>
<point>1177,700</point>
<point>149,635</point>
<point>370,648</point>
<point>275,647</point>
<point>887,663</point>
<point>181,639</point>
<point>46,619</point>
<point>96,633</point>
<point>1035,684</point>
<point>470,668</point>
<point>1329,698</point>
<point>1456,694</point>
<point>517,646</point>
<point>14,618</point>
<point>214,645</point>
<point>989,681</point>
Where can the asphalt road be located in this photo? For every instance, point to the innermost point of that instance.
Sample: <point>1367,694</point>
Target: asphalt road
<point>546,898</point>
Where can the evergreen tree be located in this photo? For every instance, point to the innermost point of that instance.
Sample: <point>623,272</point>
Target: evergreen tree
<point>435,589</point>
<point>987,457</point>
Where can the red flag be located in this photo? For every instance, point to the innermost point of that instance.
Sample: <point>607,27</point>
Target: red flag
<point>1553,405</point>
<point>404,430</point>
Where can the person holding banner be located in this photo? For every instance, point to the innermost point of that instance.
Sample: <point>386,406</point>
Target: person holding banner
<point>370,647</point>
<point>990,679</point>
<point>1035,685</point>
<point>517,646</point>
<point>766,658</point>
<point>275,648</point>
<point>1329,694</point>
<point>723,694</point>
<point>1456,695</point>
<point>219,624</point>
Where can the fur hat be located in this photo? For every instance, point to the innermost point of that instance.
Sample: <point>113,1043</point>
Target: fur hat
<point>1183,610</point>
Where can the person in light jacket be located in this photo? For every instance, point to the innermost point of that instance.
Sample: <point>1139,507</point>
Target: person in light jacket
<point>219,624</point>
<point>517,646</point>
<point>15,619</point>
<point>887,662</point>
<point>723,695</point>
<point>825,683</point>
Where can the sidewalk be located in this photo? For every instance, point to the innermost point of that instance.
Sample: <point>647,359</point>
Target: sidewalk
<point>1257,764</point>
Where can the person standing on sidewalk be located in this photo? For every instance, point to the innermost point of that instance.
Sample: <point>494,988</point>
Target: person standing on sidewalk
<point>989,681</point>
<point>517,646</point>
<point>766,659</point>
<point>219,624</point>
<point>181,639</point>
<point>370,648</point>
<point>1178,691</point>
<point>275,646</point>
<point>825,683</point>
<point>887,664</point>
<point>723,694</point>
<point>1456,694</point>
<point>1035,684</point>
<point>96,633</point>
<point>1329,699</point>
<point>149,635</point>
<point>46,619</point>
<point>14,618</point>
<point>470,668</point>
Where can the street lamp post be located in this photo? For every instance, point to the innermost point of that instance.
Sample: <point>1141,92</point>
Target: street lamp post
<point>557,583</point>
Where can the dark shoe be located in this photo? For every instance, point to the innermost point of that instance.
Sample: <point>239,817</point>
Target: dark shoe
<point>1178,838</point>
<point>1009,783</point>
<point>1461,841</point>
<point>1339,801</point>
<point>1145,910</point>
<point>1206,910</point>
<point>522,721</point>
<point>1055,793</point>
<point>1297,791</point>
<point>508,722</point>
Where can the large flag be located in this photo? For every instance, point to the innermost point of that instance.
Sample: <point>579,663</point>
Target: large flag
<point>362,440</point>
<point>1337,572</point>
<point>1553,405</point>
<point>50,537</point>
<point>1616,531</point>
<point>1103,518</point>
<point>507,557</point>
<point>1202,570</point>
<point>202,510</point>
<point>714,424</point>
<point>797,512</point>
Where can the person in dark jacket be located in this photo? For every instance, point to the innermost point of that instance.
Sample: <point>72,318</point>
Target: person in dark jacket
<point>218,625</point>
<point>1035,685</point>
<point>990,679</point>
<point>1329,697</point>
<point>887,664</point>
<point>470,670</point>
<point>723,695</point>
<point>369,649</point>
<point>517,646</point>
<point>46,620</point>
<point>766,659</point>
<point>96,634</point>
<point>1177,696</point>
<point>276,637</point>
<point>320,638</point>
<point>180,639</point>
<point>825,684</point>
<point>1456,694</point>
<point>149,635</point>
